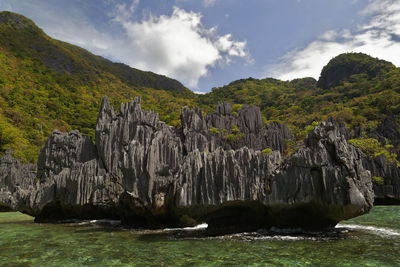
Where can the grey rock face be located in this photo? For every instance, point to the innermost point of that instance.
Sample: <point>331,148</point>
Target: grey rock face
<point>63,150</point>
<point>17,181</point>
<point>389,129</point>
<point>225,175</point>
<point>225,129</point>
<point>142,152</point>
<point>389,191</point>
<point>326,172</point>
<point>147,173</point>
<point>325,181</point>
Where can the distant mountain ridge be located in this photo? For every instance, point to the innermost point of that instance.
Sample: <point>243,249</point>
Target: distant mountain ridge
<point>47,84</point>
<point>57,57</point>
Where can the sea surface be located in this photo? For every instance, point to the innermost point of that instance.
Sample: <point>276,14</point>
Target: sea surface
<point>369,240</point>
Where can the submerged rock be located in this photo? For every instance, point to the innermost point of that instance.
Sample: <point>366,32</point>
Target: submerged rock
<point>211,170</point>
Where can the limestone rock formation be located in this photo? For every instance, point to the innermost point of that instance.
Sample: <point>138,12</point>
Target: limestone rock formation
<point>211,170</point>
<point>386,174</point>
<point>387,190</point>
<point>17,182</point>
<point>63,150</point>
<point>225,129</point>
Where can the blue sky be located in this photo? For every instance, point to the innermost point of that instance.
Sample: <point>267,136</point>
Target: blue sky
<point>209,43</point>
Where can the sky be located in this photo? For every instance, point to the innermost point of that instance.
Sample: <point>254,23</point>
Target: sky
<point>210,43</point>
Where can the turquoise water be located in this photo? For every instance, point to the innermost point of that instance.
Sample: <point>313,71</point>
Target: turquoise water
<point>369,240</point>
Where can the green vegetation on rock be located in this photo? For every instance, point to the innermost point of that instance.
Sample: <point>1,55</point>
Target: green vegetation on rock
<point>236,108</point>
<point>378,180</point>
<point>373,148</point>
<point>234,135</point>
<point>267,151</point>
<point>300,135</point>
<point>214,130</point>
<point>231,135</point>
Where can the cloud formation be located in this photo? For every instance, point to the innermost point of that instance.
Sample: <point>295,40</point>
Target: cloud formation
<point>209,3</point>
<point>379,37</point>
<point>123,11</point>
<point>178,46</point>
<point>206,3</point>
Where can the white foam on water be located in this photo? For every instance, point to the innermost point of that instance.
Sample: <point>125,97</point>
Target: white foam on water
<point>376,230</point>
<point>282,238</point>
<point>251,237</point>
<point>195,228</point>
<point>101,222</point>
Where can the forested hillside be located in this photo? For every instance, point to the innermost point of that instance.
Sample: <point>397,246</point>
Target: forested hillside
<point>47,84</point>
<point>358,100</point>
<point>361,91</point>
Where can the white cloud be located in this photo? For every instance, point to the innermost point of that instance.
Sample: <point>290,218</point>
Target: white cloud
<point>179,46</point>
<point>206,3</point>
<point>379,37</point>
<point>83,34</point>
<point>209,3</point>
<point>124,12</point>
<point>225,44</point>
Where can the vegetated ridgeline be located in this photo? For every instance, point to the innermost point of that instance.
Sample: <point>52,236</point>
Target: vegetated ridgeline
<point>46,84</point>
<point>149,174</point>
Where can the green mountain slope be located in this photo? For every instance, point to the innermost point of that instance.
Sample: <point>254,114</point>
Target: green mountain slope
<point>361,96</point>
<point>344,66</point>
<point>47,84</point>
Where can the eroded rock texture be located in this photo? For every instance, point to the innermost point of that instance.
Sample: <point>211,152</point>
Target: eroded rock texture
<point>211,170</point>
<point>17,182</point>
<point>387,192</point>
<point>386,174</point>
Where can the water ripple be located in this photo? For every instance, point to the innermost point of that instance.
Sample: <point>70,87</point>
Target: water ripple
<point>375,230</point>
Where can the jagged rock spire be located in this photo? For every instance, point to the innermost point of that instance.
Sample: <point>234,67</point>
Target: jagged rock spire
<point>150,174</point>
